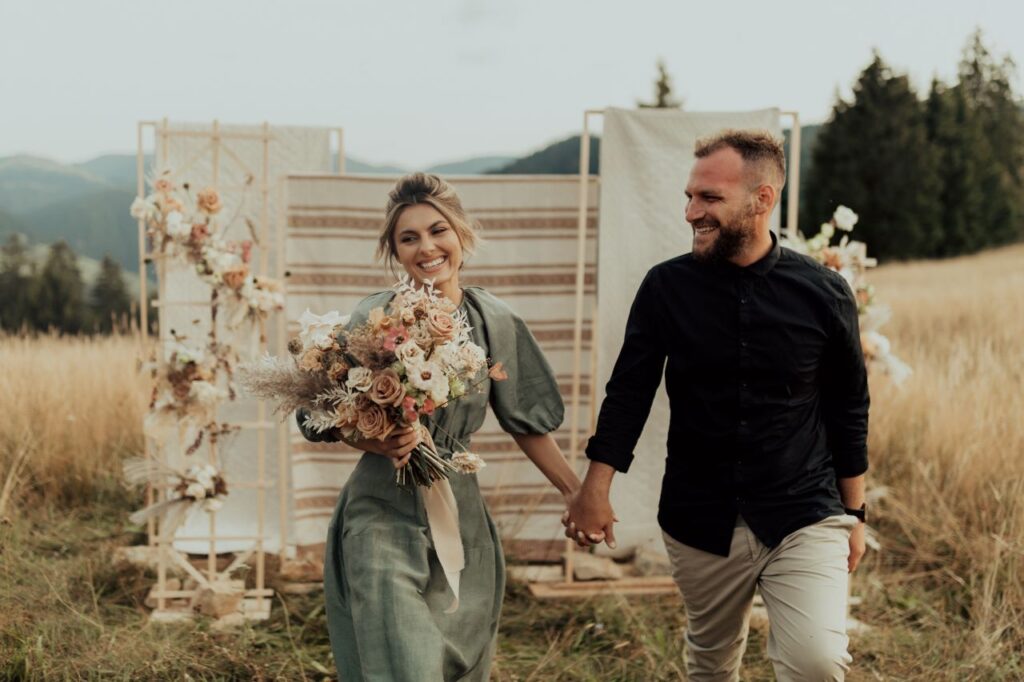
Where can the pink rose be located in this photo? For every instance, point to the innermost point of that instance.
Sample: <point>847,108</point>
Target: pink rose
<point>373,422</point>
<point>441,325</point>
<point>386,388</point>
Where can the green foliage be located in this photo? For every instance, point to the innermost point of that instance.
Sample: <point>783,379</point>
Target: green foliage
<point>59,302</point>
<point>938,177</point>
<point>663,98</point>
<point>17,281</point>
<point>49,294</point>
<point>110,302</point>
<point>874,155</point>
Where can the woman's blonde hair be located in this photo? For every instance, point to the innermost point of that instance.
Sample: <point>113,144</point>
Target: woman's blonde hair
<point>424,188</point>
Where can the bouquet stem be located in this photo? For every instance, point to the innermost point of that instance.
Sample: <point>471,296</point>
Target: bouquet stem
<point>425,466</point>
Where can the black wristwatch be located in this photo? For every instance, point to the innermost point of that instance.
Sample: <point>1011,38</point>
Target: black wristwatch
<point>859,513</point>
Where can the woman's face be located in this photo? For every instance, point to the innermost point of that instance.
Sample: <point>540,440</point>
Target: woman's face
<point>428,248</point>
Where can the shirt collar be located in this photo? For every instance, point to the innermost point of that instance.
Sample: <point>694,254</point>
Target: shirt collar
<point>765,265</point>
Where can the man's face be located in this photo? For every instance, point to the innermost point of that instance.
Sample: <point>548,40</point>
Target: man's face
<point>720,206</point>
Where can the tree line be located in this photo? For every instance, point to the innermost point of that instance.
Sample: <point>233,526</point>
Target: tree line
<point>933,176</point>
<point>53,296</point>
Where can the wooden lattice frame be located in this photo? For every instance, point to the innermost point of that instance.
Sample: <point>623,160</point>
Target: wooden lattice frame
<point>163,545</point>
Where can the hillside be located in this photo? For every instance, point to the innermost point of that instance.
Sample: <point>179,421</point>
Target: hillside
<point>93,225</point>
<point>561,157</point>
<point>29,182</point>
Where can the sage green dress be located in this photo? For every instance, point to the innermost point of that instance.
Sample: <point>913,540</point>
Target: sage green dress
<point>385,589</point>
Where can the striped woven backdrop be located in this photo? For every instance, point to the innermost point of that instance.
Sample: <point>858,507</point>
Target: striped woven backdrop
<point>527,258</point>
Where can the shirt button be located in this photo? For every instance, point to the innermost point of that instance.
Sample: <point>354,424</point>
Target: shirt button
<point>743,422</point>
<point>743,300</point>
<point>743,344</point>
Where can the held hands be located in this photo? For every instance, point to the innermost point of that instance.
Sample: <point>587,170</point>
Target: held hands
<point>589,518</point>
<point>398,445</point>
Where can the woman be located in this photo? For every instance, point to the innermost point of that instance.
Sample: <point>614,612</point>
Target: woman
<point>387,594</point>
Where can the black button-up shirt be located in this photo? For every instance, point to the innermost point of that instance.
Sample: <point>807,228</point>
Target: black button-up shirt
<point>767,389</point>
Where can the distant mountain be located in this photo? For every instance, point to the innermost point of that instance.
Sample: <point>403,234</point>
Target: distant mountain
<point>10,224</point>
<point>29,182</point>
<point>562,157</point>
<point>93,225</point>
<point>116,169</point>
<point>357,166</point>
<point>475,166</point>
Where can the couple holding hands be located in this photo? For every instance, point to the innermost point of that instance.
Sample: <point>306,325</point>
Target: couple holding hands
<point>766,453</point>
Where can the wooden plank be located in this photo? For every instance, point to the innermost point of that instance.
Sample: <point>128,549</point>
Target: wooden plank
<point>625,586</point>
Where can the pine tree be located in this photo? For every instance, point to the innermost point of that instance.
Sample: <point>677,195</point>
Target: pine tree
<point>994,111</point>
<point>662,91</point>
<point>956,134</point>
<point>874,156</point>
<point>17,274</point>
<point>109,302</point>
<point>60,303</point>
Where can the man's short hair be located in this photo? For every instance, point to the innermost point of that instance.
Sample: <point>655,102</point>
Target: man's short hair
<point>761,152</point>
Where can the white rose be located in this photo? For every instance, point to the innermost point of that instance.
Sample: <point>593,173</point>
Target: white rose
<point>205,393</point>
<point>176,225</point>
<point>196,491</point>
<point>225,260</point>
<point>142,209</point>
<point>845,218</point>
<point>317,329</point>
<point>212,504</point>
<point>827,230</point>
<point>425,375</point>
<point>439,388</point>
<point>410,353</point>
<point>360,378</point>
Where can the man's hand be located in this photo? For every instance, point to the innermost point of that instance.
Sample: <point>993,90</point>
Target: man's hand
<point>589,518</point>
<point>857,546</point>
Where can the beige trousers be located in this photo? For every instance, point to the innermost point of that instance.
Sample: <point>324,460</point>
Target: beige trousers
<point>804,584</point>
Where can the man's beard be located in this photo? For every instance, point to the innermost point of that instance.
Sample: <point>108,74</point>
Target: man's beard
<point>731,237</point>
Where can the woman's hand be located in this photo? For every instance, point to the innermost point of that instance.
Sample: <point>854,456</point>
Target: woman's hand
<point>398,445</point>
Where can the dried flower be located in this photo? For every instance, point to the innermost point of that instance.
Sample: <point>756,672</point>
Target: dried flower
<point>360,379</point>
<point>468,462</point>
<point>208,201</point>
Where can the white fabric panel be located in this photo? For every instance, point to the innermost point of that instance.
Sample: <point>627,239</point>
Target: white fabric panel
<point>237,168</point>
<point>646,158</point>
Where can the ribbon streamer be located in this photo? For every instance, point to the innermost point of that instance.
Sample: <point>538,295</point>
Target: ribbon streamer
<point>443,520</point>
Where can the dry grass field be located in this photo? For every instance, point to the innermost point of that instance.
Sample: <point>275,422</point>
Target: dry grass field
<point>944,596</point>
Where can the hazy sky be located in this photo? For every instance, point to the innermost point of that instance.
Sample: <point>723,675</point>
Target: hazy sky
<point>417,82</point>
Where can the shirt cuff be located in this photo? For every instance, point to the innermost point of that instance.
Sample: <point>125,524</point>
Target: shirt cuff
<point>598,451</point>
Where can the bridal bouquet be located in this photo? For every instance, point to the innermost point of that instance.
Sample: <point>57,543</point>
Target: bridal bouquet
<point>399,367</point>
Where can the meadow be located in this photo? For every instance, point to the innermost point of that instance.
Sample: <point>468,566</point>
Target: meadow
<point>943,596</point>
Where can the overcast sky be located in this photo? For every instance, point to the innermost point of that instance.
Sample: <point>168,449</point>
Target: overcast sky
<point>417,82</point>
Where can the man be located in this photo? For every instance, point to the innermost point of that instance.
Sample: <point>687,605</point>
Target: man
<point>764,479</point>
